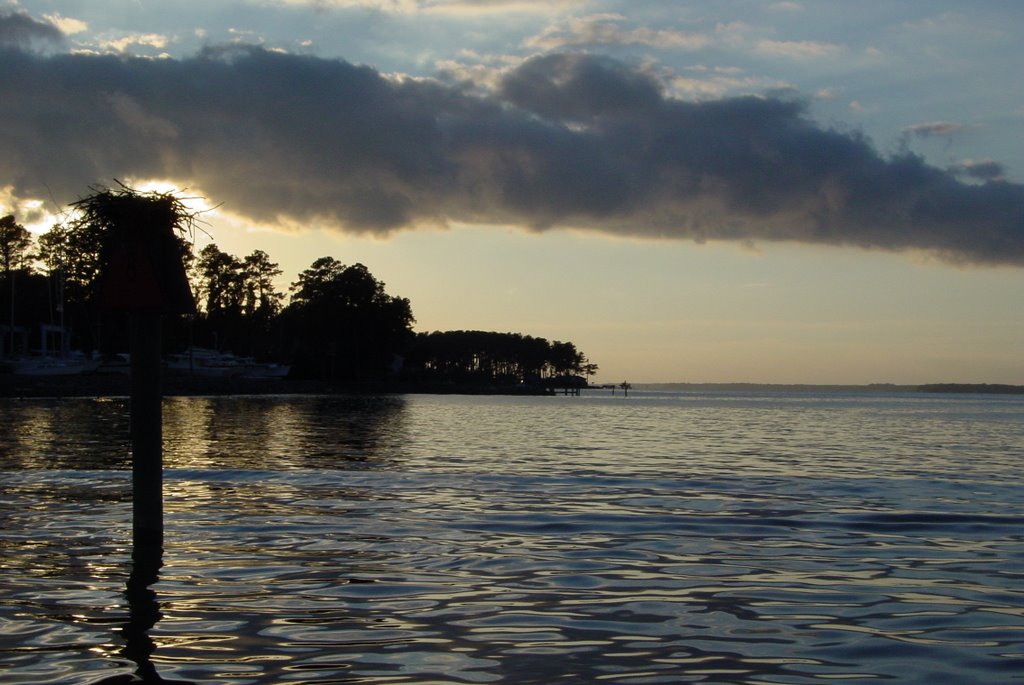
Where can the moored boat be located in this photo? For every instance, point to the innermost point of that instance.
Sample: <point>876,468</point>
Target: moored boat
<point>53,366</point>
<point>209,363</point>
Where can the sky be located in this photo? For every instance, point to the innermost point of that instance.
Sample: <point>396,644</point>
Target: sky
<point>812,191</point>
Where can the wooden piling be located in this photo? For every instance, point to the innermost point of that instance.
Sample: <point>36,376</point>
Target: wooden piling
<point>146,433</point>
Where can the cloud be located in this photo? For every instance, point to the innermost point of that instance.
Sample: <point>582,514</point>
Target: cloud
<point>480,72</point>
<point>577,86</point>
<point>390,6</point>
<point>862,108</point>
<point>604,29</point>
<point>452,7</point>
<point>739,35</point>
<point>67,25</point>
<point>700,82</point>
<point>982,170</point>
<point>799,50</point>
<point>565,140</point>
<point>474,7</point>
<point>20,30</point>
<point>123,43</point>
<point>935,129</point>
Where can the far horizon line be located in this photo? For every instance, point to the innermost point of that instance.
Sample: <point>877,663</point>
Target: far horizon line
<point>953,385</point>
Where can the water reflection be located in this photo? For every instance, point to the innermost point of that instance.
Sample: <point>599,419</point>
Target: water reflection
<point>143,614</point>
<point>266,432</point>
<point>64,434</point>
<point>315,432</point>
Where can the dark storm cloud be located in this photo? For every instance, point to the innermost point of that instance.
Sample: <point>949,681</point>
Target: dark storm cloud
<point>20,30</point>
<point>579,86</point>
<point>985,170</point>
<point>565,141</point>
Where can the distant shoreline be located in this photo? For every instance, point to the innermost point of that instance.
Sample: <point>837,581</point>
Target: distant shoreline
<point>954,388</point>
<point>183,385</point>
<point>175,385</point>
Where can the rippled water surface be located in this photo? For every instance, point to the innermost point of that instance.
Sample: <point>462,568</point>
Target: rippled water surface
<point>715,538</point>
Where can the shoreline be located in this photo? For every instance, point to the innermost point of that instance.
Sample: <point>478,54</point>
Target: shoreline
<point>951,388</point>
<point>181,385</point>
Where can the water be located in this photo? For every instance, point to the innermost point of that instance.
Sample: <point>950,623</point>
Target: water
<point>663,538</point>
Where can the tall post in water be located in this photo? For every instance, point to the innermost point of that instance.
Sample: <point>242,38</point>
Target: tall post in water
<point>146,432</point>
<point>143,275</point>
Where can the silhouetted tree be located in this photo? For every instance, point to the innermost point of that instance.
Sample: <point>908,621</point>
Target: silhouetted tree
<point>261,305</point>
<point>565,359</point>
<point>15,241</point>
<point>71,255</point>
<point>240,304</point>
<point>221,282</point>
<point>220,286</point>
<point>52,248</point>
<point>491,358</point>
<point>261,299</point>
<point>74,251</point>
<point>345,326</point>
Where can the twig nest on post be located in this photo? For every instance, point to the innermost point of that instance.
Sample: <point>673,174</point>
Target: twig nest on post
<point>142,267</point>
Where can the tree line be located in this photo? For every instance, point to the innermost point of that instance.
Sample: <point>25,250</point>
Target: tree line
<point>335,323</point>
<point>502,358</point>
